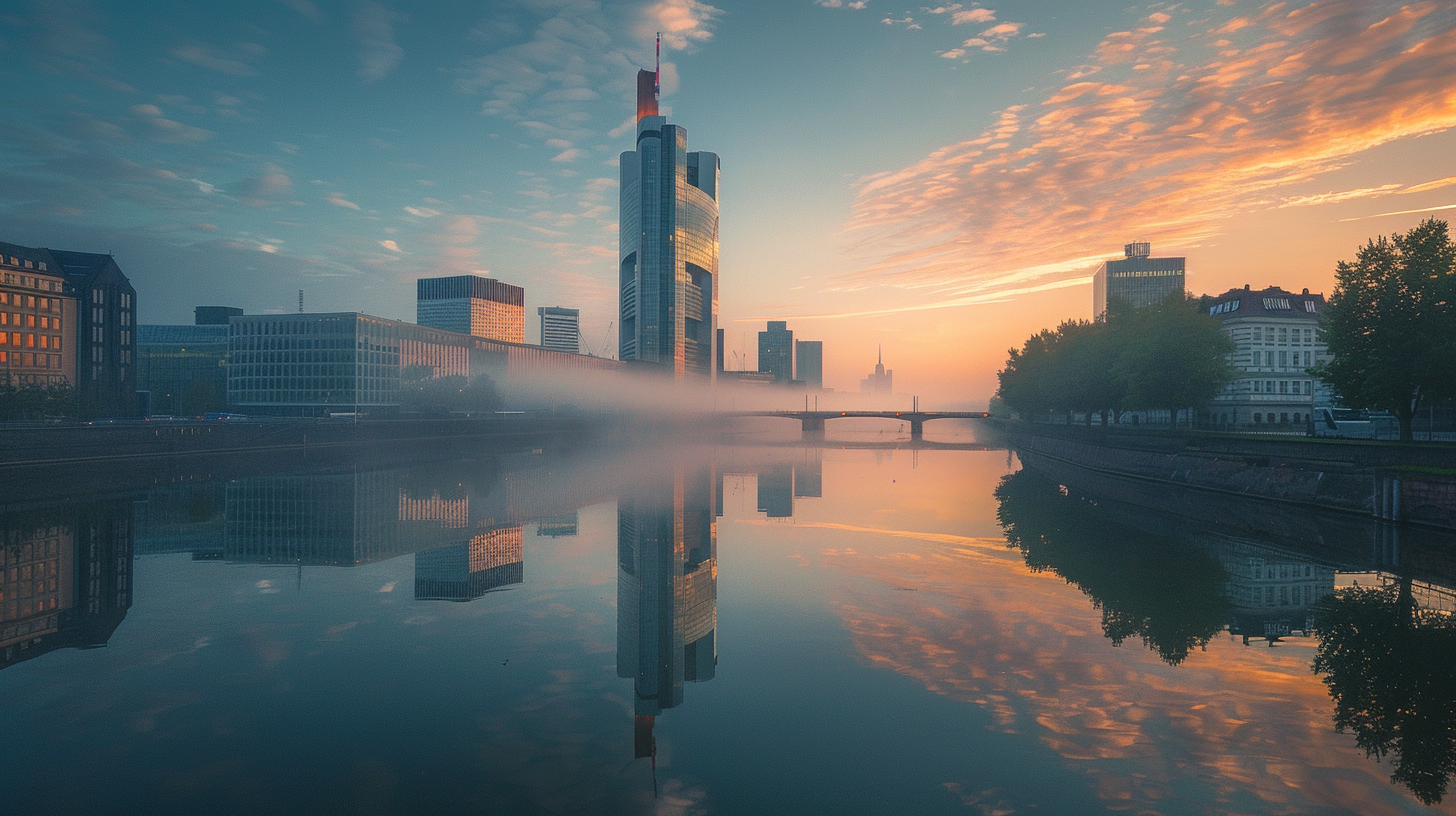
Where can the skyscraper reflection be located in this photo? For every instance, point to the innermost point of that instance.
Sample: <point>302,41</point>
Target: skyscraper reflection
<point>65,578</point>
<point>667,591</point>
<point>466,571</point>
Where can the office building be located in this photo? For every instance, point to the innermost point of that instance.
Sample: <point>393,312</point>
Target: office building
<point>182,370</point>
<point>1137,279</point>
<point>560,328</point>
<point>882,381</point>
<point>346,362</point>
<point>37,320</point>
<point>809,363</point>
<point>470,304</point>
<point>668,246</point>
<point>1276,340</point>
<point>776,352</point>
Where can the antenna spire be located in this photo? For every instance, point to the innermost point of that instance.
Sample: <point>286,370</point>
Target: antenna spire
<point>657,75</point>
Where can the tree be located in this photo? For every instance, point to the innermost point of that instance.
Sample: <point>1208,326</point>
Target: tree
<point>1172,355</point>
<point>1390,668</point>
<point>1390,324</point>
<point>1124,571</point>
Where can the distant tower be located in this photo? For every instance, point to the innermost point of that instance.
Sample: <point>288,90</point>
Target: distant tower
<point>560,328</point>
<point>1138,279</point>
<point>809,362</point>
<point>776,351</point>
<point>881,381</point>
<point>470,304</point>
<point>668,258</point>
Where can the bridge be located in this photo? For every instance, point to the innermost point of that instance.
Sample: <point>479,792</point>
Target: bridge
<point>813,421</point>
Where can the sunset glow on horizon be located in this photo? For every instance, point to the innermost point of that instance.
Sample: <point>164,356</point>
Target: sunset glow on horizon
<point>939,181</point>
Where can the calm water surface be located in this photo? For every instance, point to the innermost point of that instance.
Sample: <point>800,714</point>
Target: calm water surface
<point>732,630</point>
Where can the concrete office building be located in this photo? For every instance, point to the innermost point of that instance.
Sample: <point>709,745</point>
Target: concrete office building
<point>470,304</point>
<point>668,246</point>
<point>560,328</point>
<point>776,352</point>
<point>1276,337</point>
<point>809,362</point>
<point>1138,279</point>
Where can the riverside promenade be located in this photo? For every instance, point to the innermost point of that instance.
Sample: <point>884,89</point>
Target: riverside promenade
<point>1411,483</point>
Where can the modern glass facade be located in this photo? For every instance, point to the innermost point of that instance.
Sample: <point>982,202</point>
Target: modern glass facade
<point>809,362</point>
<point>183,368</point>
<point>1137,279</point>
<point>668,259</point>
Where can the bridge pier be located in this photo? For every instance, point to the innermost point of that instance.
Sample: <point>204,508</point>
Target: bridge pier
<point>813,427</point>
<point>917,429</point>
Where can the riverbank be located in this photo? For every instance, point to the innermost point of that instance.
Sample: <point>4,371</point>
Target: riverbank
<point>1407,483</point>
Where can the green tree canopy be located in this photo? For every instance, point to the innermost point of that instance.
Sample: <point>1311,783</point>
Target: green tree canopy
<point>1391,323</point>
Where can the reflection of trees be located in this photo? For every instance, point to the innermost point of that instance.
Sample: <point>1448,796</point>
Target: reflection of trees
<point>1157,588</point>
<point>1391,670</point>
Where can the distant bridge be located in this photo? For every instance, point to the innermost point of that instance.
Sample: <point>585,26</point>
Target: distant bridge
<point>813,421</point>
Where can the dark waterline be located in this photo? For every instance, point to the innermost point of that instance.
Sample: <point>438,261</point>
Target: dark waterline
<point>732,630</point>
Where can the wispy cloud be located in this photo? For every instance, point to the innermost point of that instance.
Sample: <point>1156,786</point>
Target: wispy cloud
<point>373,27</point>
<point>235,60</point>
<point>1170,138</point>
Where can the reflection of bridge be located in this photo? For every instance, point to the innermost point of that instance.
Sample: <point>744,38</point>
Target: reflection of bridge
<point>813,421</point>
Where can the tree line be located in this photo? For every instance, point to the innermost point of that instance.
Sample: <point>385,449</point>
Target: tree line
<point>1389,326</point>
<point>1167,356</point>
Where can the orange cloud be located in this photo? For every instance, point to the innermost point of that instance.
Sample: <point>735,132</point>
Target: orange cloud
<point>1165,152</point>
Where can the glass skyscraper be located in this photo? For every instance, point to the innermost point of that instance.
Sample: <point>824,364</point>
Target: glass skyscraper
<point>668,246</point>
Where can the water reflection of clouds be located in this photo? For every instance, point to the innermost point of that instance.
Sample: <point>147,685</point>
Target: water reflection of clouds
<point>1247,728</point>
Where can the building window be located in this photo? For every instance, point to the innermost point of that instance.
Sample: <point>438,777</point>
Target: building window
<point>1296,417</point>
<point>1258,418</point>
<point>1306,386</point>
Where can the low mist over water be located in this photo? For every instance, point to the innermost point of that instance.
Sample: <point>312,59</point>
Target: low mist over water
<point>859,625</point>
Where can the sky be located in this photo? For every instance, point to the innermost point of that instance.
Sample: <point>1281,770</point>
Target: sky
<point>937,181</point>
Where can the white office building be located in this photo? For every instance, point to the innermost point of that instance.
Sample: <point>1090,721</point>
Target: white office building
<point>1277,339</point>
<point>560,328</point>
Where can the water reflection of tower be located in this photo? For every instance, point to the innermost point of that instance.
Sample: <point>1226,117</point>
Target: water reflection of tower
<point>65,578</point>
<point>667,591</point>
<point>780,482</point>
<point>466,571</point>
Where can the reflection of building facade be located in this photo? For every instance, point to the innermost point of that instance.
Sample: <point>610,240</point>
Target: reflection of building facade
<point>668,246</point>
<point>1276,339</point>
<point>1272,592</point>
<point>557,526</point>
<point>465,571</point>
<point>65,578</point>
<point>1137,279</point>
<point>470,304</point>
<point>667,595</point>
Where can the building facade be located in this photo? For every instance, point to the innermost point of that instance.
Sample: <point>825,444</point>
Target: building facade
<point>37,321</point>
<point>809,362</point>
<point>776,352</point>
<point>560,328</point>
<point>1277,339</point>
<point>347,362</point>
<point>470,304</point>
<point>106,333</point>
<point>668,246</point>
<point>1138,279</point>
<point>182,370</point>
